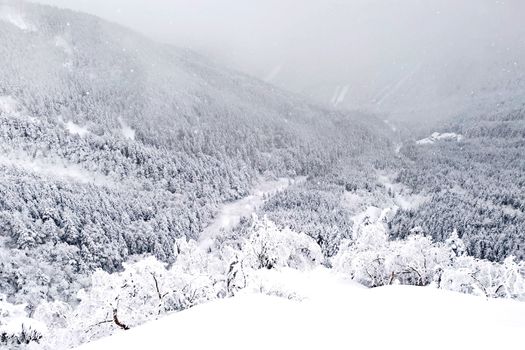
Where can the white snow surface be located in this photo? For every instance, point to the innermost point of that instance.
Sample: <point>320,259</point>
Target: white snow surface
<point>339,95</point>
<point>333,313</point>
<point>16,324</point>
<point>8,105</point>
<point>76,129</point>
<point>230,214</point>
<point>126,130</point>
<point>436,136</point>
<point>402,196</point>
<point>11,108</point>
<point>52,167</point>
<point>11,15</point>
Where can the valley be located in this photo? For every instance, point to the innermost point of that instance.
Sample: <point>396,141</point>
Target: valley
<point>151,197</point>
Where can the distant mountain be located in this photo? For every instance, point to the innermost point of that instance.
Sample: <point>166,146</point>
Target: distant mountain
<point>433,90</point>
<point>422,61</point>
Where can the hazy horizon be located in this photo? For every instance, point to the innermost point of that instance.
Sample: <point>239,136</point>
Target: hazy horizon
<point>353,54</point>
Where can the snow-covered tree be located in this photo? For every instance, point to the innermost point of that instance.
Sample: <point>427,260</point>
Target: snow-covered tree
<point>16,328</point>
<point>270,247</point>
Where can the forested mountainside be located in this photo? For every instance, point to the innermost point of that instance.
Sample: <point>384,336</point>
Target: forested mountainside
<point>113,145</point>
<point>473,178</point>
<point>468,178</point>
<point>139,179</point>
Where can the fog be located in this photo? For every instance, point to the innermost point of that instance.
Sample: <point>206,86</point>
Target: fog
<point>395,57</point>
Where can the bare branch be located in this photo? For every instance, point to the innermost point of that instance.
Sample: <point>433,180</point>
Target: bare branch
<point>117,321</point>
<point>159,294</point>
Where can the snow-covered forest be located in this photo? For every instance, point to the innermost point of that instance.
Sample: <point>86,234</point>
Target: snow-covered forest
<point>139,180</point>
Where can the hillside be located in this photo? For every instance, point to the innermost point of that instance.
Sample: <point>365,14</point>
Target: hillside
<point>332,312</point>
<point>143,183</point>
<point>114,145</point>
<point>473,181</point>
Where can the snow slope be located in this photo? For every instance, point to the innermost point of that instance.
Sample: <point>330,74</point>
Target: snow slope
<point>53,168</point>
<point>331,312</point>
<point>12,16</point>
<point>436,136</point>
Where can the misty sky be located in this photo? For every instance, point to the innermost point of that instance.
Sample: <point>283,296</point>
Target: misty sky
<point>355,52</point>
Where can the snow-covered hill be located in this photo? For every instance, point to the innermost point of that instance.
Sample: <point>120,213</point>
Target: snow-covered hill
<point>139,180</point>
<point>333,313</point>
<point>114,145</point>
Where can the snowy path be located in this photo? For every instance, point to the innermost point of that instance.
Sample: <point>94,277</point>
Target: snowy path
<point>231,214</point>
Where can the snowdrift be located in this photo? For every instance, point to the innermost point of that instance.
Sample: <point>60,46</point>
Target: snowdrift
<point>334,314</point>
